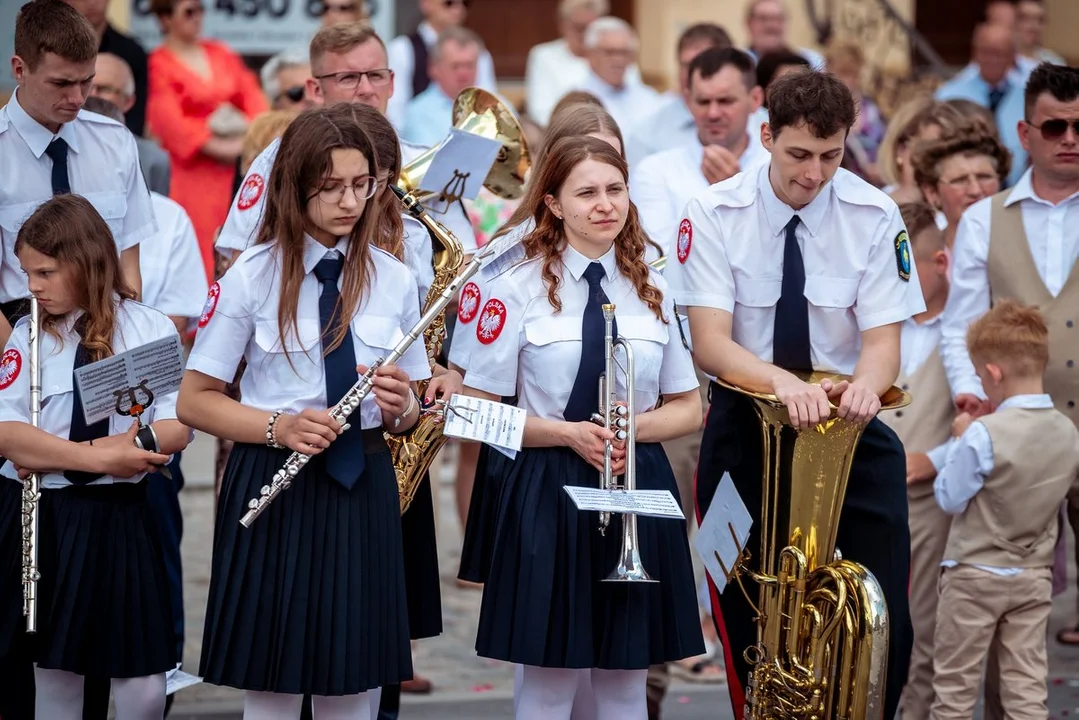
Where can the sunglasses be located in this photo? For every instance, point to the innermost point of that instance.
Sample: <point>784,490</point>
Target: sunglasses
<point>454,3</point>
<point>294,94</point>
<point>193,11</point>
<point>1056,128</point>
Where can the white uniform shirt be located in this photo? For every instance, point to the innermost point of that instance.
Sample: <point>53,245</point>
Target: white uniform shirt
<point>136,325</point>
<point>173,276</point>
<point>1053,235</point>
<point>527,349</point>
<point>240,321</point>
<point>401,58</point>
<point>730,257</point>
<point>628,105</point>
<point>672,126</point>
<point>552,70</point>
<point>969,462</point>
<point>102,166</point>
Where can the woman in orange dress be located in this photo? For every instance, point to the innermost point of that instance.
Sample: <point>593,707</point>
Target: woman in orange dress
<point>201,99</point>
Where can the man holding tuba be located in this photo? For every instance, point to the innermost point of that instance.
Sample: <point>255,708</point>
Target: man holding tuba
<point>792,267</point>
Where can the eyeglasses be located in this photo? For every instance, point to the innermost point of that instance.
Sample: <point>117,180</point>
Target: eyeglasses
<point>979,179</point>
<point>362,189</point>
<point>1056,128</point>
<point>293,94</point>
<point>193,11</point>
<point>348,80</point>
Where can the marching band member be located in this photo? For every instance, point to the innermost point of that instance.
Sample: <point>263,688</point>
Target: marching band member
<point>310,598</point>
<point>800,265</point>
<point>544,605</point>
<point>104,598</point>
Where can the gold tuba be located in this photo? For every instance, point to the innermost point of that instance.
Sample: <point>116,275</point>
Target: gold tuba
<point>481,113</point>
<point>822,622</point>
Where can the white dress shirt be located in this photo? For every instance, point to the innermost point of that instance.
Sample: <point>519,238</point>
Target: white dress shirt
<point>173,276</point>
<point>401,59</point>
<point>136,325</point>
<point>628,105</point>
<point>102,166</point>
<point>672,126</point>
<point>527,349</point>
<point>917,341</point>
<point>240,321</point>
<point>1053,235</point>
<point>969,462</point>
<point>730,257</point>
<point>552,71</point>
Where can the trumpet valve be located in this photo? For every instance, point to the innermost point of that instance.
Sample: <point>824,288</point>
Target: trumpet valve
<point>621,435</point>
<point>621,411</point>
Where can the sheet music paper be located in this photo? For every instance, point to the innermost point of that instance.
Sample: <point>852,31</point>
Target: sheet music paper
<point>177,679</point>
<point>499,425</point>
<point>461,164</point>
<point>159,365</point>
<point>654,503</point>
<point>715,542</point>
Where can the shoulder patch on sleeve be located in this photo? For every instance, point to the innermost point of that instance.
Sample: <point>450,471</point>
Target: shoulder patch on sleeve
<point>250,192</point>
<point>492,320</point>
<point>902,255</point>
<point>211,304</point>
<point>469,304</point>
<point>685,239</point>
<point>10,366</point>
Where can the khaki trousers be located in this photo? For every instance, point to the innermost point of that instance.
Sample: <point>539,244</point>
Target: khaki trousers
<point>978,611</point>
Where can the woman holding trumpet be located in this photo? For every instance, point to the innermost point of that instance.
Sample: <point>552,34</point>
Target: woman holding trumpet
<point>544,605</point>
<point>310,598</point>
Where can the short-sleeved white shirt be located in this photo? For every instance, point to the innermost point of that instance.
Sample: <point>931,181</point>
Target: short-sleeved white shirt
<point>526,349</point>
<point>239,321</point>
<point>729,256</point>
<point>173,276</point>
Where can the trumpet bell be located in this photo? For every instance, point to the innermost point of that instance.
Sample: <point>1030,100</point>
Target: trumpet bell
<point>630,568</point>
<point>479,112</point>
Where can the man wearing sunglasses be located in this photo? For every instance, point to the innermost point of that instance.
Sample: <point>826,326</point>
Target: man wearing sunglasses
<point>409,55</point>
<point>1023,244</point>
<point>284,80</point>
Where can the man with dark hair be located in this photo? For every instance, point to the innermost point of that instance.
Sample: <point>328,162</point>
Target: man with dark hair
<point>672,124</point>
<point>1023,244</point>
<point>792,267</point>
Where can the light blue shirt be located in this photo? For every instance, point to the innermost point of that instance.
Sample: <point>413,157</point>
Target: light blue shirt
<point>971,86</point>
<point>428,117</point>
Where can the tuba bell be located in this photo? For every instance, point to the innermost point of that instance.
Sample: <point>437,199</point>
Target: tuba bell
<point>481,113</point>
<point>822,621</point>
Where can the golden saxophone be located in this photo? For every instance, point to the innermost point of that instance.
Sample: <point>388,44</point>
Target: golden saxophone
<point>31,487</point>
<point>822,621</point>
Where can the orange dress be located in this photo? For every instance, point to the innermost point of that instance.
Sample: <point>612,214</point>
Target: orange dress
<point>179,106</point>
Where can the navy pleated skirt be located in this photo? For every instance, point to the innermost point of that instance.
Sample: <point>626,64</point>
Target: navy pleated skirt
<point>11,593</point>
<point>480,524</point>
<point>104,604</point>
<point>422,583</point>
<point>544,603</point>
<point>311,598</point>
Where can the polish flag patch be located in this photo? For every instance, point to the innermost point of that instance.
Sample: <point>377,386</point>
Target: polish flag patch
<point>685,239</point>
<point>250,192</point>
<point>10,365</point>
<point>469,304</point>
<point>210,305</point>
<point>492,320</point>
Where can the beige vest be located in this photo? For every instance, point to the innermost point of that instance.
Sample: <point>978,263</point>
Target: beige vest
<point>1013,274</point>
<point>1012,521</point>
<point>927,421</point>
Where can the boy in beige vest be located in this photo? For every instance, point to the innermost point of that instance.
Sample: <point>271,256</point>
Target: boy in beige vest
<point>1004,480</point>
<point>925,427</point>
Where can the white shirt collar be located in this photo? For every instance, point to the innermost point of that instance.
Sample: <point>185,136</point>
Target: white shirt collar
<point>779,213</point>
<point>314,251</point>
<point>36,135</point>
<point>1024,190</point>
<point>577,263</point>
<point>427,33</point>
<point>1029,402</point>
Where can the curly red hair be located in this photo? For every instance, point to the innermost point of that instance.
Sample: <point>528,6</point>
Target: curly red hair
<point>548,240</point>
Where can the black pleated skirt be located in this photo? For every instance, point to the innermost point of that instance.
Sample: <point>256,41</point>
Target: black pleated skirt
<point>422,583</point>
<point>11,592</point>
<point>104,604</point>
<point>480,524</point>
<point>544,603</point>
<point>311,598</point>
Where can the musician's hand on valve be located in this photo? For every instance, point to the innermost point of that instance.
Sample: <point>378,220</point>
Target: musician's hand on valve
<point>858,403</point>
<point>807,403</point>
<point>309,432</point>
<point>586,439</point>
<point>390,388</point>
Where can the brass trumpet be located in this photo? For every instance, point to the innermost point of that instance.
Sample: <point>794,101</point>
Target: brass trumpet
<point>620,419</point>
<point>31,487</point>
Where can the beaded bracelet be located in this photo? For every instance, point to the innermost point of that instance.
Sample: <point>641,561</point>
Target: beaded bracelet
<point>411,403</point>
<point>271,431</point>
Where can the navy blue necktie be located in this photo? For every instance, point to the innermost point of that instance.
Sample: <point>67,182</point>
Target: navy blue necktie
<point>344,458</point>
<point>790,340</point>
<point>57,150</point>
<point>584,398</point>
<point>996,95</point>
<point>80,431</point>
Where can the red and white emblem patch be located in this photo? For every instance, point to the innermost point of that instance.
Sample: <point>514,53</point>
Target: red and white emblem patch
<point>10,365</point>
<point>492,320</point>
<point>469,304</point>
<point>685,239</point>
<point>250,192</point>
<point>210,305</point>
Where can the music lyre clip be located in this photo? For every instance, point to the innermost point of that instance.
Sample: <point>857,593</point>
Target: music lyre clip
<point>135,409</point>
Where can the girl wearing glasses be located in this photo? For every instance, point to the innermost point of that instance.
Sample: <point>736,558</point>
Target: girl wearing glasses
<point>311,598</point>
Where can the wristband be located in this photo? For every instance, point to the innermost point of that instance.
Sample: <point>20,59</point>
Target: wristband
<point>411,404</point>
<point>146,439</point>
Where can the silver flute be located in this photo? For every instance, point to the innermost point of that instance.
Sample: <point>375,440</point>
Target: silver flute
<point>31,487</point>
<point>282,479</point>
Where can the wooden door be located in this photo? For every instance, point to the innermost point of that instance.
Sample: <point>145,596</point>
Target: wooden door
<point>948,27</point>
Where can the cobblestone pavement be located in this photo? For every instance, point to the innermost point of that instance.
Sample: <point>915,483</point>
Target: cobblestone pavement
<point>467,686</point>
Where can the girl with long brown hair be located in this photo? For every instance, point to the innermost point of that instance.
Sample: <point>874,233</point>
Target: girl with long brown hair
<point>540,338</point>
<point>310,600</point>
<point>103,604</point>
